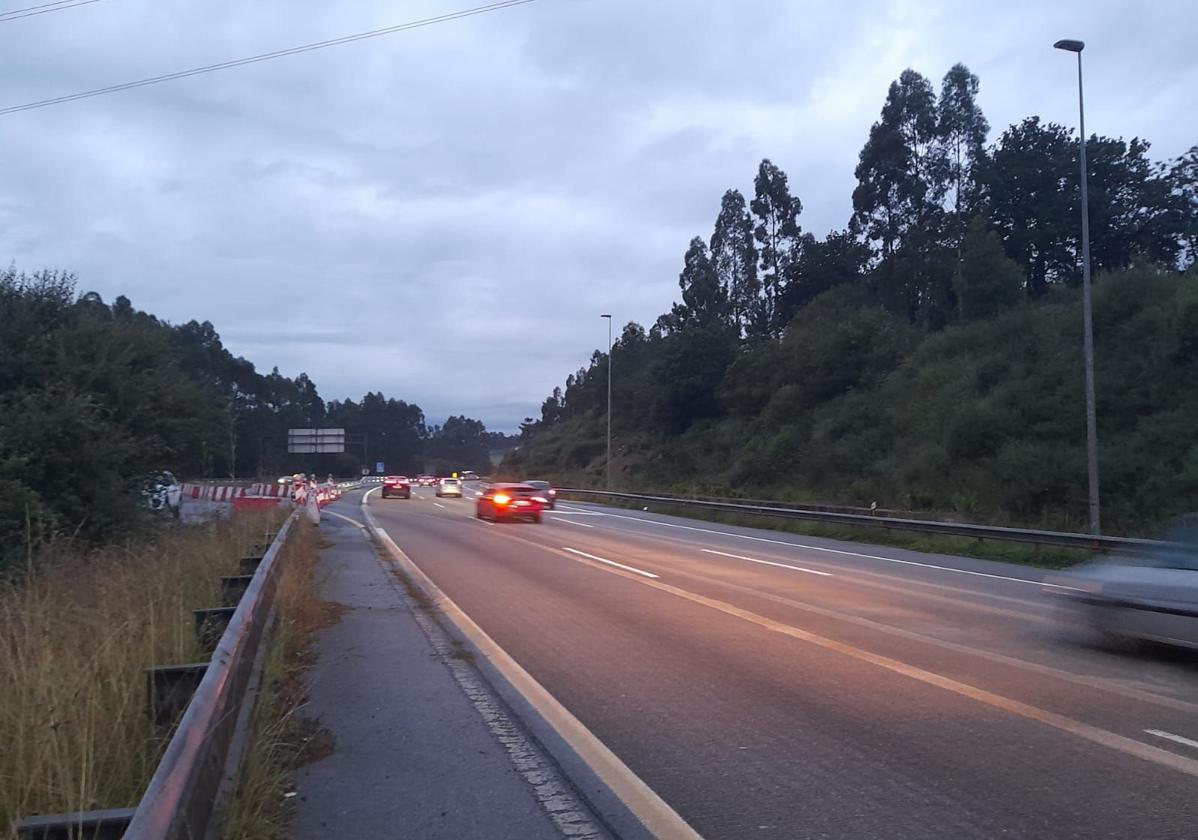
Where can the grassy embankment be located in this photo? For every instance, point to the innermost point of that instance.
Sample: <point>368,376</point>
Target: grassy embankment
<point>982,420</point>
<point>77,634</point>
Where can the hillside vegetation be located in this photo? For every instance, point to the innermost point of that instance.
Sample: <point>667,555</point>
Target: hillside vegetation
<point>928,357</point>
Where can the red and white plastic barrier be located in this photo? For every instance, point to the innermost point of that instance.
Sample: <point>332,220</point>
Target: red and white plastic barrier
<point>263,494</point>
<point>213,492</point>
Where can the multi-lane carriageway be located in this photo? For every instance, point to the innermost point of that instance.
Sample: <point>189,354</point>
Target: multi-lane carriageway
<point>769,685</point>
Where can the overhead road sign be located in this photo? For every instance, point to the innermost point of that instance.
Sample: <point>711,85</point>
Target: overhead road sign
<point>315,441</point>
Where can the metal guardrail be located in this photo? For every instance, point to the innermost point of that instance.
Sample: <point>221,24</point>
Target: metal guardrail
<point>821,507</point>
<point>1062,539</point>
<point>182,794</point>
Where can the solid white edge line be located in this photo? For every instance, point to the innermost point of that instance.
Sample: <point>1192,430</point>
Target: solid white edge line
<point>657,816</point>
<point>635,571</point>
<point>353,522</point>
<point>766,562</point>
<point>838,551</point>
<point>1180,739</point>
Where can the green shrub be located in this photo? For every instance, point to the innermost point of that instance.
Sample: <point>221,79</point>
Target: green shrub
<point>977,431</point>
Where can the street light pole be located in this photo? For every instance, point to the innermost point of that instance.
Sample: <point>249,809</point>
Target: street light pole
<point>608,317</point>
<point>1088,333</point>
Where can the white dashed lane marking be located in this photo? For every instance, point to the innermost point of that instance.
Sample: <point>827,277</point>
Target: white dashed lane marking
<point>1169,736</point>
<point>766,562</point>
<point>597,559</point>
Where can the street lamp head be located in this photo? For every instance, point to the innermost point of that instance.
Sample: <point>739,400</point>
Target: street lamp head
<point>1069,45</point>
<point>605,316</point>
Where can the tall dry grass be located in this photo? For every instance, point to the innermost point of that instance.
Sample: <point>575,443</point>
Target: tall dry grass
<point>75,640</point>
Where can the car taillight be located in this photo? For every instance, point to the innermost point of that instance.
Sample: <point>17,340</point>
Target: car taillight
<point>539,499</point>
<point>502,498</point>
<point>552,492</point>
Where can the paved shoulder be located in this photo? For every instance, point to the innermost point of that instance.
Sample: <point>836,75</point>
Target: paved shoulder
<point>415,755</point>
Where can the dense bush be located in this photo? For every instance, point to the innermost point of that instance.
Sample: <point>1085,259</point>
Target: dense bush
<point>92,399</point>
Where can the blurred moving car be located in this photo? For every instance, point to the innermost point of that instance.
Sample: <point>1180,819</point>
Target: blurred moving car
<point>547,492</point>
<point>449,487</point>
<point>1139,597</point>
<point>162,493</point>
<point>426,480</point>
<point>397,485</point>
<point>510,501</point>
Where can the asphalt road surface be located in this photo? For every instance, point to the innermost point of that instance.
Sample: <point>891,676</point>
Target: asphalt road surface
<point>775,686</point>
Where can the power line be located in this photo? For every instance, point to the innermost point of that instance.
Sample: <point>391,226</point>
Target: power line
<point>35,8</point>
<point>45,8</point>
<point>226,65</point>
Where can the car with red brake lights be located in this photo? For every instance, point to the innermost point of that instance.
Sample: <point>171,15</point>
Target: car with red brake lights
<point>510,501</point>
<point>397,485</point>
<point>546,492</point>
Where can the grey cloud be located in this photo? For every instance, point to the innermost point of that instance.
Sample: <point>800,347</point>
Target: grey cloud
<point>397,214</point>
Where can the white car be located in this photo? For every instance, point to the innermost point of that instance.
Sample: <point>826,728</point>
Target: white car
<point>1151,597</point>
<point>162,493</point>
<point>449,487</point>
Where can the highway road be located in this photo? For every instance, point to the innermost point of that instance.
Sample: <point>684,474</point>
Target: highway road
<point>775,686</point>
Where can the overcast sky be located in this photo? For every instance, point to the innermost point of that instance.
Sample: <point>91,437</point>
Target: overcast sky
<point>443,214</point>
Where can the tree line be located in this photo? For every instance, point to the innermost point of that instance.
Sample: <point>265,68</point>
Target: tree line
<point>801,364</point>
<point>95,397</point>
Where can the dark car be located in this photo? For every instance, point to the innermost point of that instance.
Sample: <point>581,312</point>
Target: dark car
<point>510,501</point>
<point>397,485</point>
<point>547,492</point>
